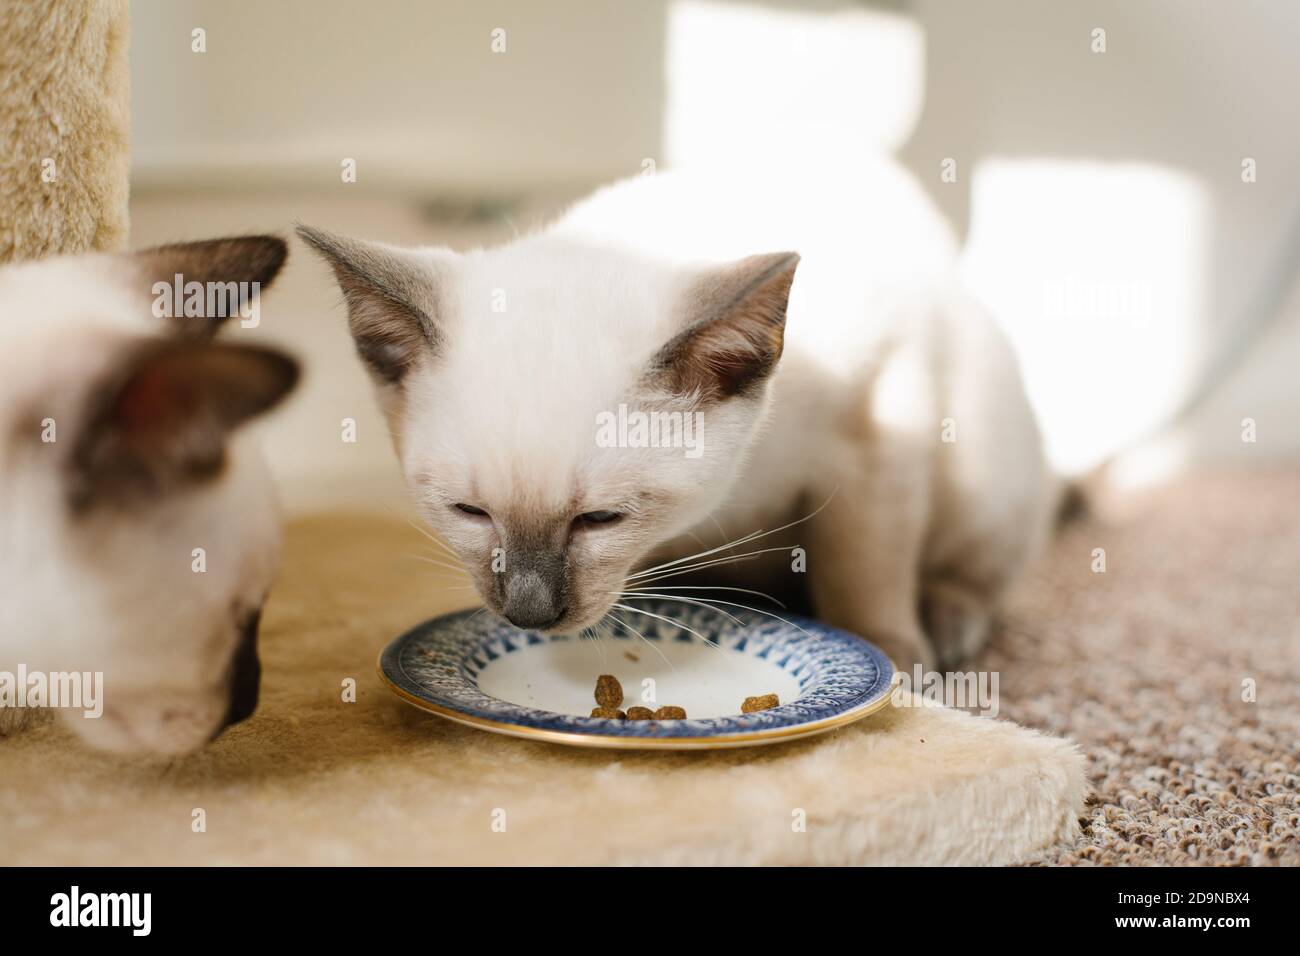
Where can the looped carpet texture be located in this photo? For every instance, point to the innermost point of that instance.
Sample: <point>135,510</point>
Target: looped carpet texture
<point>1177,670</point>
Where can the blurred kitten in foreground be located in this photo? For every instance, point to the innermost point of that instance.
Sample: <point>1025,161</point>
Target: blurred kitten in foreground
<point>138,528</point>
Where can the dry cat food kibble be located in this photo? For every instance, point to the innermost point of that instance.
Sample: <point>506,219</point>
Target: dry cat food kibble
<point>765,702</point>
<point>609,692</point>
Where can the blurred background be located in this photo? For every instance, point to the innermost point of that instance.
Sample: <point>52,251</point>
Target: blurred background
<point>1122,175</point>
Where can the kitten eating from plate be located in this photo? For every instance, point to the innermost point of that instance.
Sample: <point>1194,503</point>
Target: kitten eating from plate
<point>846,387</point>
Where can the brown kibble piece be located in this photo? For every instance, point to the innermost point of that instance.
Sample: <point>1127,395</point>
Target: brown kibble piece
<point>609,692</point>
<point>668,712</point>
<point>765,702</point>
<point>640,713</point>
<point>613,713</point>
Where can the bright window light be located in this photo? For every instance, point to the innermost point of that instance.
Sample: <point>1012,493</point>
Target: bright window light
<point>748,83</point>
<point>1095,270</point>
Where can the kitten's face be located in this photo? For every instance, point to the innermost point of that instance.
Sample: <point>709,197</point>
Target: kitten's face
<point>117,463</point>
<point>516,380</point>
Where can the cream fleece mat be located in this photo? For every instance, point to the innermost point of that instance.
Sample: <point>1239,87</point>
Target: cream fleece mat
<point>312,779</point>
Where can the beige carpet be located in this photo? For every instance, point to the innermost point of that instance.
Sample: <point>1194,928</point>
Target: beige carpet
<point>1144,666</point>
<point>311,779</point>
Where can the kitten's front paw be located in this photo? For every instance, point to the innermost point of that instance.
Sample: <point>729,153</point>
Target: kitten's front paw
<point>956,621</point>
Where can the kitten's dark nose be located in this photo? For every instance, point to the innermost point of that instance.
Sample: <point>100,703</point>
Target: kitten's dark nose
<point>530,601</point>
<point>533,621</point>
<point>246,679</point>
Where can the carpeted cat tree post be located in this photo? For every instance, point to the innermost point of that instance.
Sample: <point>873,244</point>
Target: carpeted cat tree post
<point>65,127</point>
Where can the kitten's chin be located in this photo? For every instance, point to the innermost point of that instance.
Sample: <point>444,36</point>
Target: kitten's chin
<point>172,727</point>
<point>568,623</point>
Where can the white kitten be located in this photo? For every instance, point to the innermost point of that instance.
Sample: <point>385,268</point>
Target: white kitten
<point>895,403</point>
<point>116,463</point>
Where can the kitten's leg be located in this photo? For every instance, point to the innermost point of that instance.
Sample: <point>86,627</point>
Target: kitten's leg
<point>865,548</point>
<point>957,619</point>
<point>960,595</point>
<point>991,494</point>
<point>863,578</point>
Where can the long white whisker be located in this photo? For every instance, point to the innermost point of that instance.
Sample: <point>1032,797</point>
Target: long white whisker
<point>757,610</point>
<point>445,549</point>
<point>667,620</point>
<point>682,600</point>
<point>442,564</point>
<point>589,634</point>
<point>729,559</point>
<point>648,643</point>
<point>718,524</point>
<point>696,538</point>
<point>706,587</point>
<point>450,553</point>
<point>737,559</point>
<point>743,540</point>
<point>702,554</point>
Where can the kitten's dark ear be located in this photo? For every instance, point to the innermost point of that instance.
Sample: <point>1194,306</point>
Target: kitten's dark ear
<point>161,420</point>
<point>392,296</point>
<point>235,270</point>
<point>734,329</point>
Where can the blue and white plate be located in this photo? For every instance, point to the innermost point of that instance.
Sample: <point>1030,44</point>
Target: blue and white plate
<point>478,670</point>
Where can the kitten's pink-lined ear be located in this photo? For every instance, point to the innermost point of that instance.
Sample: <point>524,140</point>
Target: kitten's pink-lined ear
<point>161,420</point>
<point>393,299</point>
<point>234,270</point>
<point>734,331</point>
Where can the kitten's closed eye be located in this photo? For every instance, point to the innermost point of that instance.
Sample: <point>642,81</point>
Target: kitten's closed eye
<point>586,518</point>
<point>598,517</point>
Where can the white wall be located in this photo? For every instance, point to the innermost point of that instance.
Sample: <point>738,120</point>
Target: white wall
<point>455,143</point>
<point>410,88</point>
<point>1184,92</point>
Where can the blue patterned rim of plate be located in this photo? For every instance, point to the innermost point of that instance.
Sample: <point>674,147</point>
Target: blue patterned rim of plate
<point>840,676</point>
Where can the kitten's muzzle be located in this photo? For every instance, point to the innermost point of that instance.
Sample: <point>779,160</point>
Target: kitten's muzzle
<point>532,596</point>
<point>246,675</point>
